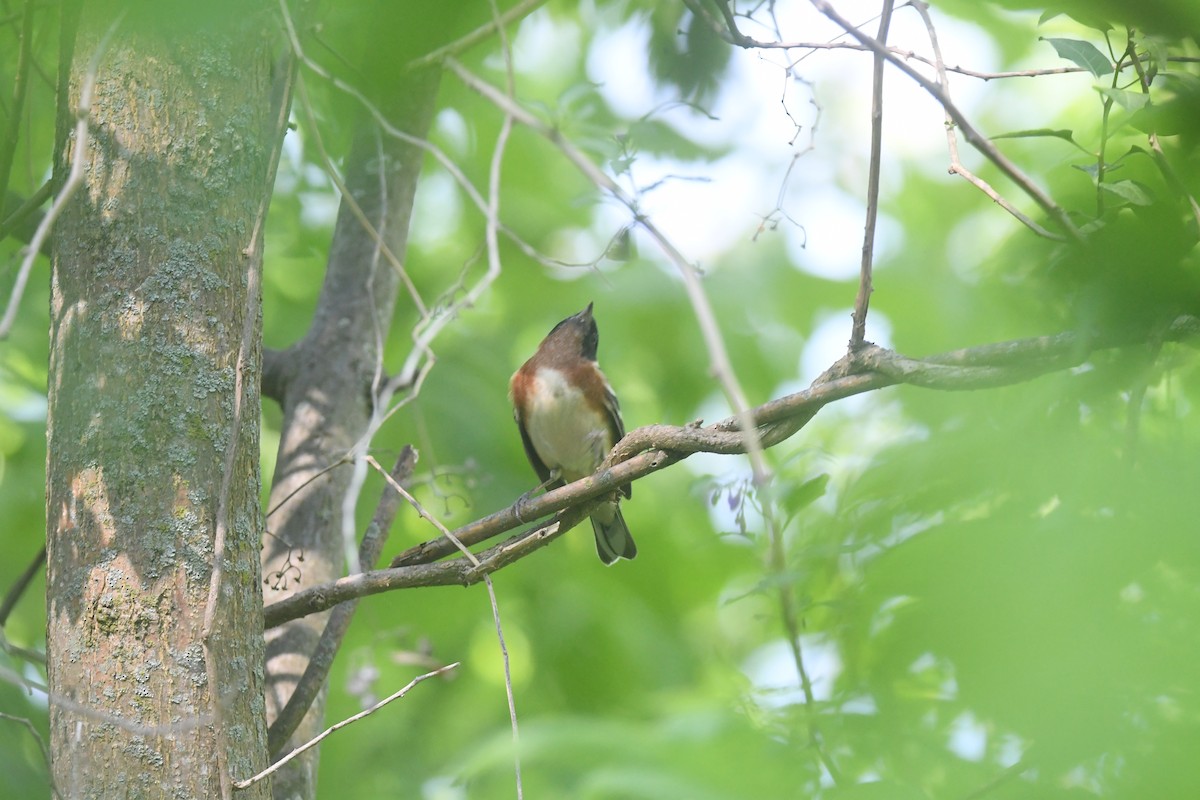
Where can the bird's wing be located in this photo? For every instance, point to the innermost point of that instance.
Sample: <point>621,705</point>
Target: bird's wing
<point>616,427</point>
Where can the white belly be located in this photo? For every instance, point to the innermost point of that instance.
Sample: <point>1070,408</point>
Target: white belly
<point>568,434</point>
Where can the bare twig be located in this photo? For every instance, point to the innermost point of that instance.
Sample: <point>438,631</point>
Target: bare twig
<point>248,782</point>
<point>485,574</point>
<point>446,162</point>
<point>11,224</point>
<point>317,670</point>
<point>862,300</point>
<point>20,585</point>
<point>727,29</point>
<point>456,572</point>
<point>308,481</point>
<point>420,359</point>
<point>493,252</point>
<point>720,364</point>
<point>41,743</point>
<point>956,165</point>
<point>496,24</point>
<point>8,140</point>
<point>1022,765</point>
<point>347,197</point>
<point>980,142</point>
<point>74,179</point>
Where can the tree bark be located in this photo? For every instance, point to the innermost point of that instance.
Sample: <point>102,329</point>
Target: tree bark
<point>153,519</point>
<point>325,385</point>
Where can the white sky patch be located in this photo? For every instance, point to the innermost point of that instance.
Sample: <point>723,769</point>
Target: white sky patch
<point>704,217</point>
<point>772,671</point>
<point>968,738</point>
<point>617,63</point>
<point>437,210</point>
<point>974,239</point>
<point>452,131</point>
<point>829,338</point>
<point>319,209</point>
<point>541,45</point>
<point>290,158</point>
<point>752,116</point>
<point>829,242</point>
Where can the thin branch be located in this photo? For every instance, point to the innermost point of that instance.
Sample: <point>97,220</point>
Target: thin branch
<point>317,670</point>
<point>496,24</point>
<point>493,251</point>
<point>456,572</point>
<point>347,197</point>
<point>1022,765</point>
<point>980,142</point>
<point>11,225</point>
<point>720,363</point>
<point>308,481</point>
<point>1160,157</point>
<point>478,569</point>
<point>8,143</point>
<point>446,162</point>
<point>74,179</point>
<point>248,782</point>
<point>655,447</point>
<point>862,300</point>
<point>420,359</point>
<point>728,31</point>
<point>41,743</point>
<point>20,585</point>
<point>956,165</point>
<point>15,650</point>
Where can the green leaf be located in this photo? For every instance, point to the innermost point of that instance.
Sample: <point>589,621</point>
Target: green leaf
<point>1131,191</point>
<point>1130,101</point>
<point>1093,169</point>
<point>1157,50</point>
<point>1081,53</point>
<point>1033,133</point>
<point>796,497</point>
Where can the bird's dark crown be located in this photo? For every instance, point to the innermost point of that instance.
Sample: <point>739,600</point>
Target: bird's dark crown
<point>580,328</point>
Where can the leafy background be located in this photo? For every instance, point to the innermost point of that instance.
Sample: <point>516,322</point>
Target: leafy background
<point>999,589</point>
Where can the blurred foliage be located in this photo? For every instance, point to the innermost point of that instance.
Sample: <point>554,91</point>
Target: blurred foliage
<point>998,589</point>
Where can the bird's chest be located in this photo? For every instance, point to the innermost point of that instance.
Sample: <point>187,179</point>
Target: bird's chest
<point>569,434</point>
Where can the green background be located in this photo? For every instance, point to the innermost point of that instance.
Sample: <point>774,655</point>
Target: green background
<point>999,590</point>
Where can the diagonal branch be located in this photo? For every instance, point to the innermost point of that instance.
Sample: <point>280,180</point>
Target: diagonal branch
<point>956,165</point>
<point>313,742</point>
<point>317,670</point>
<point>980,142</point>
<point>74,178</point>
<point>721,365</point>
<point>655,447</point>
<point>483,32</point>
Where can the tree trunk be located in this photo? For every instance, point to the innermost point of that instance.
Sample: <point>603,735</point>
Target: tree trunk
<point>325,385</point>
<point>154,654</point>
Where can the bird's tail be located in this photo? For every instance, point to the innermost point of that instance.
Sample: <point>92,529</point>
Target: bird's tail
<point>612,534</point>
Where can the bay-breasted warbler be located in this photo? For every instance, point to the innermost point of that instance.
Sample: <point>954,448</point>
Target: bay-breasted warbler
<point>569,419</point>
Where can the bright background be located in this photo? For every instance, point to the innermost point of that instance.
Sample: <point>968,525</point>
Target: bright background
<point>999,589</point>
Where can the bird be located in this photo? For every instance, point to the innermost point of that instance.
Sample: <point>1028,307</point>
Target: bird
<point>569,420</point>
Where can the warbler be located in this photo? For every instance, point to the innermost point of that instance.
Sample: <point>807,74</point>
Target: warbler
<point>569,420</point>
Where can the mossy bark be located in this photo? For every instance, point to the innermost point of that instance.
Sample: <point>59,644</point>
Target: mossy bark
<point>153,443</point>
